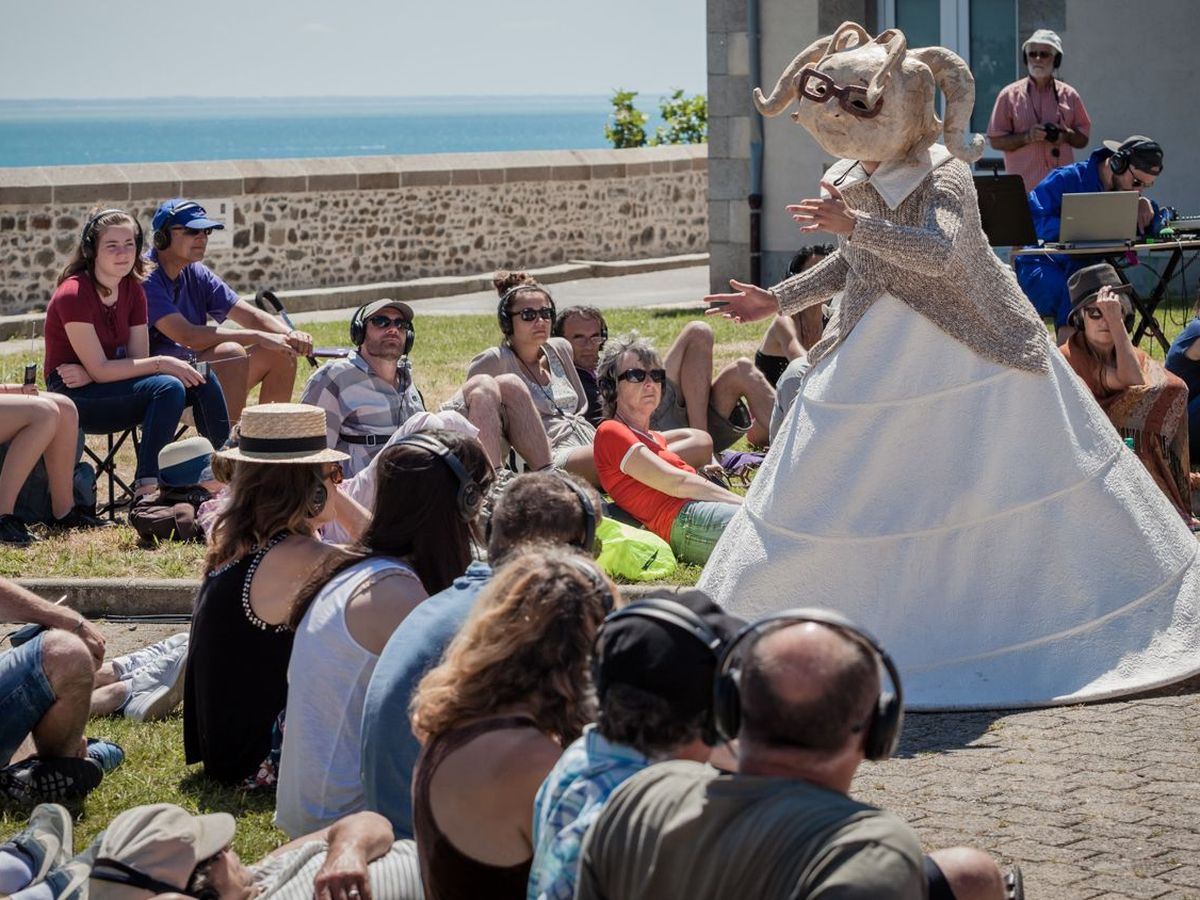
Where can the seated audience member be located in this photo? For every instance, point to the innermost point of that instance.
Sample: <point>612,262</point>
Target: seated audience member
<point>97,349</point>
<point>182,294</point>
<point>45,694</point>
<point>654,665</point>
<point>537,508</point>
<point>164,850</point>
<point>1142,399</point>
<point>1183,359</point>
<point>39,426</point>
<point>803,699</point>
<point>371,393</point>
<point>790,336</point>
<point>512,689</point>
<point>644,477</point>
<point>585,330</point>
<point>1132,165</point>
<point>1038,122</point>
<point>144,685</point>
<point>430,489</point>
<point>262,550</point>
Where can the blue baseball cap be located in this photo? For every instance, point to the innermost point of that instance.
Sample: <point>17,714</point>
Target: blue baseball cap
<point>182,212</point>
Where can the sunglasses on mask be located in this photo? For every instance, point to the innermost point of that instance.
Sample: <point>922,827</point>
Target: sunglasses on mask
<point>637,376</point>
<point>529,314</point>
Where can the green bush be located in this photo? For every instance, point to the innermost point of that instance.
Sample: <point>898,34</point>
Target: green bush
<point>627,125</point>
<point>685,118</point>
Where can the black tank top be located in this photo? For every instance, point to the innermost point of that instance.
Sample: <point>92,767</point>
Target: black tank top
<point>447,872</point>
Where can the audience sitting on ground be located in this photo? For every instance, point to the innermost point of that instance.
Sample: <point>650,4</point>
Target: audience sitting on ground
<point>655,661</point>
<point>371,393</point>
<point>585,330</point>
<point>97,349</point>
<point>644,477</point>
<point>144,685</point>
<point>263,548</point>
<point>789,337</point>
<point>182,294</point>
<point>39,426</point>
<point>512,690</point>
<point>430,488</point>
<point>803,699</point>
<point>1183,359</point>
<point>1144,401</point>
<point>166,851</point>
<point>45,693</point>
<point>537,508</point>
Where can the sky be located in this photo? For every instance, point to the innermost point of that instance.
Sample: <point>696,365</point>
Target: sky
<point>312,48</point>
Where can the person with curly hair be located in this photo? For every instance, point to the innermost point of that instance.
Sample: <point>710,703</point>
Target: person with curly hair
<point>512,690</point>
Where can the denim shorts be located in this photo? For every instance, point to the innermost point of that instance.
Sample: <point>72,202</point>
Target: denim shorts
<point>25,695</point>
<point>697,529</point>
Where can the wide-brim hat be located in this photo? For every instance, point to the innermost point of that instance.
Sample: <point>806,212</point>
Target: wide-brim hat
<point>1043,36</point>
<point>163,841</point>
<point>1084,285</point>
<point>283,433</point>
<point>371,308</point>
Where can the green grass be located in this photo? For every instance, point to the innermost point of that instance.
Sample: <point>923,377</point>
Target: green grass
<point>444,346</point>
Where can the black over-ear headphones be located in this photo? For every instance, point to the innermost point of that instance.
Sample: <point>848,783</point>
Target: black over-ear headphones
<point>504,314</point>
<point>883,730</point>
<point>116,872</point>
<point>358,329</point>
<point>1122,157</point>
<point>589,512</point>
<point>469,499</point>
<point>591,570</point>
<point>162,236</point>
<point>675,614</point>
<point>87,237</point>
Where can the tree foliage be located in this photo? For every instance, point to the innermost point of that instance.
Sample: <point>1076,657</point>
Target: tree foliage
<point>627,125</point>
<point>685,120</point>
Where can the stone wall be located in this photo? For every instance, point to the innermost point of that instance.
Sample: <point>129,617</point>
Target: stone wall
<point>328,222</point>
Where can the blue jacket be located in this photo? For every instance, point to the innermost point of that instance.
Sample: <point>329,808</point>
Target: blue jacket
<point>1045,200</point>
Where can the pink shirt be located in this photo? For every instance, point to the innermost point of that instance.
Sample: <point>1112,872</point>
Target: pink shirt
<point>1022,105</point>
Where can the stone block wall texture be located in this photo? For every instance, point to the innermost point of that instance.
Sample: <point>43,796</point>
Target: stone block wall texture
<point>330,222</point>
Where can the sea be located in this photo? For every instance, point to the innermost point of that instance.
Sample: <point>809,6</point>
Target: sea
<point>83,132</point>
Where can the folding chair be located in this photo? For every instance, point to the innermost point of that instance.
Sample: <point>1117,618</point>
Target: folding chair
<point>107,465</point>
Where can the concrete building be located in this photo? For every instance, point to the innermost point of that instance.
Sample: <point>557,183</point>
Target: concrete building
<point>1134,65</point>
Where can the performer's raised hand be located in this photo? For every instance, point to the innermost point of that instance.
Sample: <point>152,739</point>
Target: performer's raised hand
<point>824,213</point>
<point>749,304</point>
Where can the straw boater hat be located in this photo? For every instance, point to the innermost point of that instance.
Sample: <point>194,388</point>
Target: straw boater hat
<point>283,432</point>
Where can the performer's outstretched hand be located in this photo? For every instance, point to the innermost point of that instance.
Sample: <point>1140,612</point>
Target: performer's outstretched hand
<point>822,214</point>
<point>749,304</point>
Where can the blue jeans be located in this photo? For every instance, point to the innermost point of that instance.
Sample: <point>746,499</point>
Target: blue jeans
<point>155,402</point>
<point>697,529</point>
<point>25,695</point>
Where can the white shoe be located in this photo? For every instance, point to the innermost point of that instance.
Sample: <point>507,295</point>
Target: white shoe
<point>156,689</point>
<point>125,666</point>
<point>47,841</point>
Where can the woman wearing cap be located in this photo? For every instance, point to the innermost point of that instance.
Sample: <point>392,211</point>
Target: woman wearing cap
<point>263,548</point>
<point>512,690</point>
<point>1146,403</point>
<point>418,542</point>
<point>644,477</point>
<point>97,349</point>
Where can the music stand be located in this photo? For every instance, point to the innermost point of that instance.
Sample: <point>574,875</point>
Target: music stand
<point>1004,210</point>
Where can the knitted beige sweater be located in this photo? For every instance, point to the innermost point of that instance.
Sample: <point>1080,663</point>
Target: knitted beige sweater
<point>930,252</point>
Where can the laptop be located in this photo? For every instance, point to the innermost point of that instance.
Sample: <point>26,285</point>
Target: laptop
<point>1088,220</point>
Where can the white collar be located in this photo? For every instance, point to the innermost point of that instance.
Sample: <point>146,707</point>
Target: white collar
<point>895,179</point>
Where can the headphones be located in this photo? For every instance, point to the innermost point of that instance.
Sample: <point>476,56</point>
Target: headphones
<point>674,614</point>
<point>883,729</point>
<point>87,238</point>
<point>116,872</point>
<point>162,235</point>
<point>1122,157</point>
<point>469,499</point>
<point>504,314</point>
<point>591,571</point>
<point>589,512</point>
<point>358,330</point>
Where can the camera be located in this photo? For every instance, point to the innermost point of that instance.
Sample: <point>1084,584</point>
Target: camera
<point>30,373</point>
<point>1052,132</point>
<point>202,368</point>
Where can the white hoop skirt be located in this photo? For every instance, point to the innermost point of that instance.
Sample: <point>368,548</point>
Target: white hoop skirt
<point>986,524</point>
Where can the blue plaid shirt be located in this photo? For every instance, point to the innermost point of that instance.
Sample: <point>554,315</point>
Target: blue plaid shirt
<point>567,803</point>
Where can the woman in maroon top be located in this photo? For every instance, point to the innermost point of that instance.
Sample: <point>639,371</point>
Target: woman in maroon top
<point>97,349</point>
<point>513,689</point>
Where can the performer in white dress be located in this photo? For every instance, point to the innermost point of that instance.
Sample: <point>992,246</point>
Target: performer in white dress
<point>943,477</point>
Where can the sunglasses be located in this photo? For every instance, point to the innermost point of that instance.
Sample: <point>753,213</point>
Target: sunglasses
<point>192,232</point>
<point>529,314</point>
<point>819,87</point>
<point>637,376</point>
<point>1138,183</point>
<point>334,473</point>
<point>1093,312</point>
<point>389,322</point>
<point>1039,54</point>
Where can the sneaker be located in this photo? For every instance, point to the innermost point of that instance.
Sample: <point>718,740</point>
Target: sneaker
<point>125,666</point>
<point>46,841</point>
<point>105,754</point>
<point>156,689</point>
<point>13,531</point>
<point>70,880</point>
<point>50,780</point>
<point>81,518</point>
